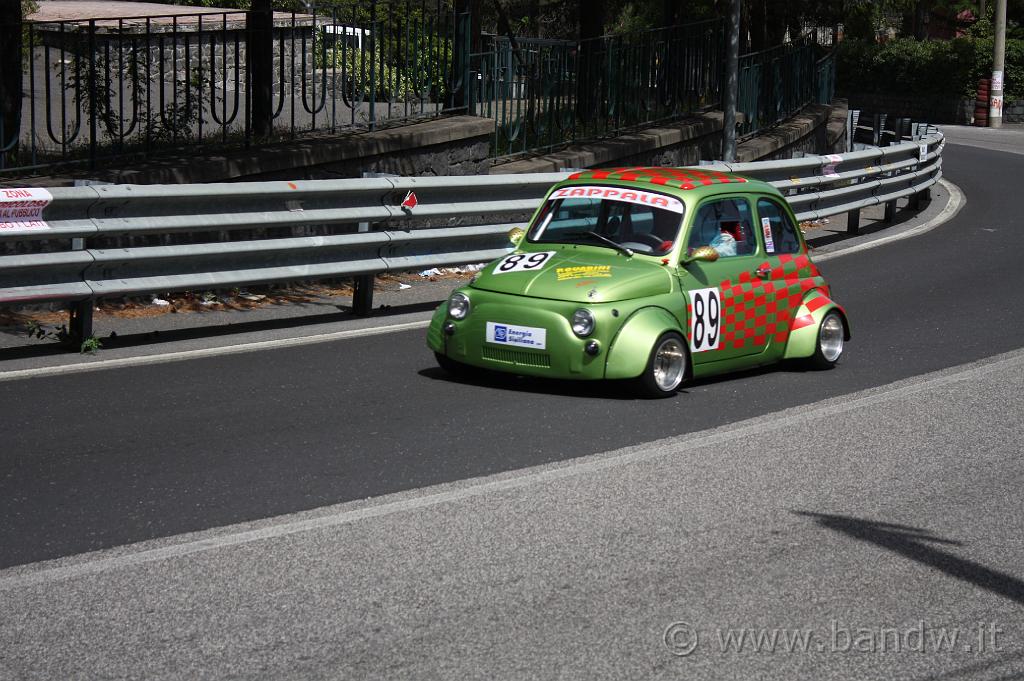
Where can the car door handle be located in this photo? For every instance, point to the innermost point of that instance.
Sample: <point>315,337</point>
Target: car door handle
<point>763,271</point>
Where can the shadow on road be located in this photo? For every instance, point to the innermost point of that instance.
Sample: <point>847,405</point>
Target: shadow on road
<point>917,544</point>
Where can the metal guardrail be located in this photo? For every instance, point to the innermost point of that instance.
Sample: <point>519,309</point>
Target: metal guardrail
<point>457,220</point>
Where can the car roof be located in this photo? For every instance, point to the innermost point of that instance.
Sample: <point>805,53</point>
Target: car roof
<point>683,179</point>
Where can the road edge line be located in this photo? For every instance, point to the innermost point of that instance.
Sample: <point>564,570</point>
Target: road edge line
<point>957,200</point>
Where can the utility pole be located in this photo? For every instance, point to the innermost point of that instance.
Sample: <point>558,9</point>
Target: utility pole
<point>732,65</point>
<point>995,106</point>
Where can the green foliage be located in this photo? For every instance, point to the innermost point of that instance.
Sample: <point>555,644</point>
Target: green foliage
<point>40,332</point>
<point>61,334</point>
<point>368,74</point>
<point>937,69</point>
<point>90,345</point>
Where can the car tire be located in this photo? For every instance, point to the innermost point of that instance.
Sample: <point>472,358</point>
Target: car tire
<point>830,343</point>
<point>667,367</point>
<point>450,365</point>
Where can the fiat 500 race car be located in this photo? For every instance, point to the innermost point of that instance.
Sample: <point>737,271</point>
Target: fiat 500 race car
<point>652,274</point>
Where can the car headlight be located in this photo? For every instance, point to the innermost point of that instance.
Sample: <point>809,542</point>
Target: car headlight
<point>458,306</point>
<point>582,323</point>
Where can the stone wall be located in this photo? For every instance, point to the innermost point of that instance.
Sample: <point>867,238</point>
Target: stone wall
<point>817,129</point>
<point>457,145</point>
<point>1013,112</point>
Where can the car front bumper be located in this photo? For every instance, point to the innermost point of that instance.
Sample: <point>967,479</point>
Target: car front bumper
<point>564,355</point>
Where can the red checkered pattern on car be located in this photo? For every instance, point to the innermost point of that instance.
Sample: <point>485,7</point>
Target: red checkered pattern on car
<point>680,178</point>
<point>757,311</point>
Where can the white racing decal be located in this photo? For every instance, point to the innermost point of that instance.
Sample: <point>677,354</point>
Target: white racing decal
<point>21,208</point>
<point>828,168</point>
<point>705,320</point>
<point>620,194</point>
<point>521,336</point>
<point>522,262</point>
<point>766,227</point>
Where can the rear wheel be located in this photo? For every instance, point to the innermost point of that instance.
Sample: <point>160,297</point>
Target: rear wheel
<point>666,367</point>
<point>829,348</point>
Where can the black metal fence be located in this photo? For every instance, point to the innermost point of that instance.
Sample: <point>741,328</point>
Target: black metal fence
<point>776,83</point>
<point>546,93</point>
<point>96,90</point>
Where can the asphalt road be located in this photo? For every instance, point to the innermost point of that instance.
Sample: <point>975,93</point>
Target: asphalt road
<point>803,519</point>
<point>111,457</point>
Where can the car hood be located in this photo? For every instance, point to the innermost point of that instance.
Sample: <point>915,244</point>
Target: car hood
<point>582,275</point>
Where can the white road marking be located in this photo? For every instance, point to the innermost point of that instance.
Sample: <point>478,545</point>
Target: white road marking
<point>208,352</point>
<point>46,572</point>
<point>956,202</point>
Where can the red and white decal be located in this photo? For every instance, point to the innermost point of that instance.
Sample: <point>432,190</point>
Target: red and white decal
<point>621,194</point>
<point>21,208</point>
<point>769,242</point>
<point>828,168</point>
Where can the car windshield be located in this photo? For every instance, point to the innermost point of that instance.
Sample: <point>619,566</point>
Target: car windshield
<point>642,222</point>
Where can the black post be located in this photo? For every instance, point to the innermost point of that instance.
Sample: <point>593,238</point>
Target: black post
<point>10,80</point>
<point>890,211</point>
<point>467,41</point>
<point>93,94</point>
<point>80,322</point>
<point>921,199</point>
<point>260,57</point>
<point>362,295</point>
<point>853,222</point>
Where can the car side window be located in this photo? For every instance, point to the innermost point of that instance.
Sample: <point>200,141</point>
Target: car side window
<point>778,228</point>
<point>726,225</point>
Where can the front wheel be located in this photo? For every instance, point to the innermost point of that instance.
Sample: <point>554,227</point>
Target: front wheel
<point>829,348</point>
<point>450,365</point>
<point>666,367</point>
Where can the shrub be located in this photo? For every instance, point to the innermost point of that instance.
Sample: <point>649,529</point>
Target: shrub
<point>932,69</point>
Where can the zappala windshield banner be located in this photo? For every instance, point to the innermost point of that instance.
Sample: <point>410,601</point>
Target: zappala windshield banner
<point>620,194</point>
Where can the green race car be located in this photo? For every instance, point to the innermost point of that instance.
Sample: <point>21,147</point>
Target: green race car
<point>656,275</point>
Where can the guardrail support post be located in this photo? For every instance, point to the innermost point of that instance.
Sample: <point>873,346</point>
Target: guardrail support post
<point>890,211</point>
<point>362,295</point>
<point>80,322</point>
<point>362,286</point>
<point>921,199</point>
<point>853,222</point>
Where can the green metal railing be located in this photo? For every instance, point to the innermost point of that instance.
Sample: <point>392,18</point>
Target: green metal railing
<point>544,94</point>
<point>776,83</point>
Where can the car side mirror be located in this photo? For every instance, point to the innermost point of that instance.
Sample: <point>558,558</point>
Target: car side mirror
<point>703,254</point>
<point>515,236</point>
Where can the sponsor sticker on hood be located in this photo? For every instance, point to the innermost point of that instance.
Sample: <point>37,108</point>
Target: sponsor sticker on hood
<point>583,272</point>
